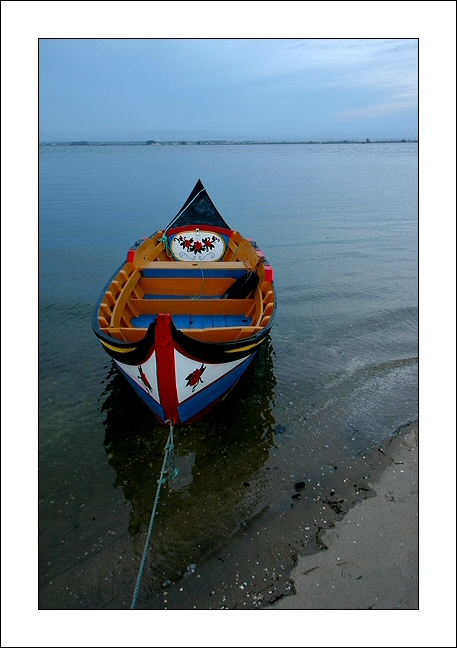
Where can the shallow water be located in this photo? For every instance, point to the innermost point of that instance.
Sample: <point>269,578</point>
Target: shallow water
<point>336,381</point>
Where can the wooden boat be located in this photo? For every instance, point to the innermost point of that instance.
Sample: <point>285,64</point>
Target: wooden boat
<point>185,314</point>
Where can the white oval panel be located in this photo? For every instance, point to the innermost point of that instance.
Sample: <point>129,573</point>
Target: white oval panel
<point>198,245</point>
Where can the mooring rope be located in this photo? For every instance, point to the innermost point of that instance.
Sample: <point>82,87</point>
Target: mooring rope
<point>166,245</point>
<point>202,289</point>
<point>170,464</point>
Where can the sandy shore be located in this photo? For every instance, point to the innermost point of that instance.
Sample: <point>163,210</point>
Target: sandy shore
<point>372,560</point>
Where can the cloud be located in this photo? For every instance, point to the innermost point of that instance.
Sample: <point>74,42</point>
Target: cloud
<point>268,86</point>
<point>378,110</point>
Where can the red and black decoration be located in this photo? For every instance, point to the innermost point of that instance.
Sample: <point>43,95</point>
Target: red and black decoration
<point>197,247</point>
<point>195,377</point>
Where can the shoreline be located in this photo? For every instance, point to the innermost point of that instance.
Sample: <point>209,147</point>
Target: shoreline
<point>372,558</point>
<point>261,566</point>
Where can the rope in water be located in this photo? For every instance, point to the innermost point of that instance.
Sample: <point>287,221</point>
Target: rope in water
<point>168,463</point>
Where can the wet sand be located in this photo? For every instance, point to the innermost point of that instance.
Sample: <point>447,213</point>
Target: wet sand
<point>371,563</point>
<point>351,545</point>
<point>372,560</point>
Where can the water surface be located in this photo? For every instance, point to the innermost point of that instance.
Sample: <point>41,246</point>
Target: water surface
<point>336,381</point>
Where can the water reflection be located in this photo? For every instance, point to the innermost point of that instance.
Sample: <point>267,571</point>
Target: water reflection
<point>221,460</point>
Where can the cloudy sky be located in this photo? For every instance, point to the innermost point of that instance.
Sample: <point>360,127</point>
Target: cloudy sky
<point>228,88</point>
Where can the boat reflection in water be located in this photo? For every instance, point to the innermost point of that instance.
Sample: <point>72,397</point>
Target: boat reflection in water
<point>222,477</point>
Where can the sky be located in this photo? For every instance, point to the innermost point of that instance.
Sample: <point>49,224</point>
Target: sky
<point>228,88</point>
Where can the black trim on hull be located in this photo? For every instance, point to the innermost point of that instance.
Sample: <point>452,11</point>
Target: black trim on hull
<point>131,353</point>
<point>212,352</point>
<point>218,352</point>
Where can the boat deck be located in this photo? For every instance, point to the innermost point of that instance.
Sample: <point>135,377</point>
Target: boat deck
<point>194,313</point>
<point>192,321</point>
<point>185,269</point>
<point>191,291</point>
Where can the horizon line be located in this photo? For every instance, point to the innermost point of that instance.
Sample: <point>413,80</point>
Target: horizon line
<point>149,142</point>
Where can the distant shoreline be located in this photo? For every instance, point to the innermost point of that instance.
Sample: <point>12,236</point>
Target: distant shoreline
<point>223,142</point>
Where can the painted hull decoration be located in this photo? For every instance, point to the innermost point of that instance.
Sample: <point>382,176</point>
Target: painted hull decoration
<point>198,246</point>
<point>186,313</point>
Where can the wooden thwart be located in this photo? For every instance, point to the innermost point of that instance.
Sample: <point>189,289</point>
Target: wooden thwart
<point>193,265</point>
<point>193,306</point>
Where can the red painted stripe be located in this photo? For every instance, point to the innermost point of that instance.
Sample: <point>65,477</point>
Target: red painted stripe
<point>166,370</point>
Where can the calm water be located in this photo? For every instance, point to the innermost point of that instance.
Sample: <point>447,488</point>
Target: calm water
<point>336,381</point>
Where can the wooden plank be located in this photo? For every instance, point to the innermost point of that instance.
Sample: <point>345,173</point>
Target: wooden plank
<point>192,306</point>
<point>246,251</point>
<point>192,287</point>
<point>223,334</point>
<point>149,249</point>
<point>127,334</point>
<point>105,311</point>
<point>259,308</point>
<point>110,298</point>
<point>231,250</point>
<point>132,311</point>
<point>116,288</point>
<point>103,322</point>
<point>192,265</point>
<point>119,306</point>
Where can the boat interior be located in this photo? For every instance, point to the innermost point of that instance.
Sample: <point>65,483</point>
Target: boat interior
<point>193,292</point>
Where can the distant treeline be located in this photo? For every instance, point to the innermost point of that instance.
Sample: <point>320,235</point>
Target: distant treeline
<point>225,142</point>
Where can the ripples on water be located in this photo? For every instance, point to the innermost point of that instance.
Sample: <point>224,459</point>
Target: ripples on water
<point>338,377</point>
